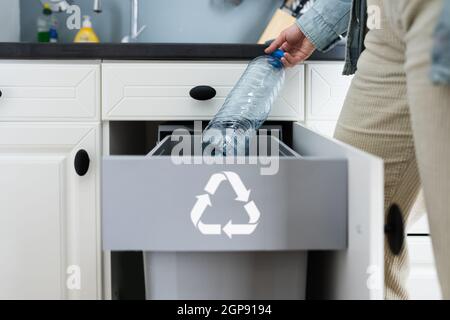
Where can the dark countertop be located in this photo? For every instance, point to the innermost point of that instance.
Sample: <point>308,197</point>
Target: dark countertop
<point>146,51</point>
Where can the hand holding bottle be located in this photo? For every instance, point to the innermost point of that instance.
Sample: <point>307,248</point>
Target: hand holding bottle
<point>296,45</point>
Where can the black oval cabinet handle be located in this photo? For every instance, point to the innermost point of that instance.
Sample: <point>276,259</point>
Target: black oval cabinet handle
<point>395,229</point>
<point>1,93</point>
<point>81,162</point>
<point>203,93</point>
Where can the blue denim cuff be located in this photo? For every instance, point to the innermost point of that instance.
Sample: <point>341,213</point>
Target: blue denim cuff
<point>317,30</point>
<point>440,75</point>
<point>440,69</point>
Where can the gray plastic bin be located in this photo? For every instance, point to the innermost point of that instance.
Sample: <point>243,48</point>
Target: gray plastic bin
<point>226,276</point>
<point>250,246</point>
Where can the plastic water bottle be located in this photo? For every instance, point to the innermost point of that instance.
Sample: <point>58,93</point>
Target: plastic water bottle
<point>247,106</point>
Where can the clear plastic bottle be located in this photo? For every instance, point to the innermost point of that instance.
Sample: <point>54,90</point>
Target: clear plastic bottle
<point>247,106</point>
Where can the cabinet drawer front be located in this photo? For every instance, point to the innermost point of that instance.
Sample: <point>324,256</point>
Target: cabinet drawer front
<point>49,91</point>
<point>160,91</point>
<point>326,89</point>
<point>153,204</point>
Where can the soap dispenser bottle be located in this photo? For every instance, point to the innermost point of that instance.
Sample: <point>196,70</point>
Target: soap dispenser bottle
<point>86,33</point>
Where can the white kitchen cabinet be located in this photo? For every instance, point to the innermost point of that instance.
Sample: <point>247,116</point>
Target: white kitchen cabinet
<point>49,91</point>
<point>160,90</point>
<point>49,215</point>
<point>49,226</point>
<point>49,212</point>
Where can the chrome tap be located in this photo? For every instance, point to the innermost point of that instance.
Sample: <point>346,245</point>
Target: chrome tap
<point>135,31</point>
<point>98,6</point>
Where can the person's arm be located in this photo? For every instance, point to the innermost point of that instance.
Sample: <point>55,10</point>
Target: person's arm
<point>319,28</point>
<point>440,69</point>
<point>326,22</point>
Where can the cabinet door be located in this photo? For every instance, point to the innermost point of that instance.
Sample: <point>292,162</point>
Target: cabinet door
<point>48,213</point>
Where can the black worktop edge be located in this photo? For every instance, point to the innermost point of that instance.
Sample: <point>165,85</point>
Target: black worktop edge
<point>145,51</point>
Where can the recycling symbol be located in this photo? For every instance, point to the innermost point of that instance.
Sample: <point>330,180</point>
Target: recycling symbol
<point>243,195</point>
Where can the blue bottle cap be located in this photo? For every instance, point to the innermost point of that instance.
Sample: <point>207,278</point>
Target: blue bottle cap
<point>277,54</point>
<point>53,33</point>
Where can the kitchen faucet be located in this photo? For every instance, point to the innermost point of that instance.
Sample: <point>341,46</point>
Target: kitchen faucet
<point>135,31</point>
<point>98,6</point>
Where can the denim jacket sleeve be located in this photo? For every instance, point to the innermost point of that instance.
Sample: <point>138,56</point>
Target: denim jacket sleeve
<point>440,69</point>
<point>326,22</point>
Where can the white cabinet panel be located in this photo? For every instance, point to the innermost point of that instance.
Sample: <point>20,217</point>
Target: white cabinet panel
<point>48,214</point>
<point>423,281</point>
<point>160,90</point>
<point>49,91</point>
<point>326,89</point>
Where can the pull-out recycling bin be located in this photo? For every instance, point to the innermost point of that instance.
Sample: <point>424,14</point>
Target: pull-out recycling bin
<point>226,275</point>
<point>237,230</point>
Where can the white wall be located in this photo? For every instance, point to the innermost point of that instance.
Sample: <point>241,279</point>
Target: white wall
<point>10,21</point>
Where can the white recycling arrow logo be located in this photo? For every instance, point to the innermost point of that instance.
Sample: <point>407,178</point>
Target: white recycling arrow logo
<point>243,195</point>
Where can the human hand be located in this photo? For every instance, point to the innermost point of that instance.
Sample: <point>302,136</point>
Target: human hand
<point>295,44</point>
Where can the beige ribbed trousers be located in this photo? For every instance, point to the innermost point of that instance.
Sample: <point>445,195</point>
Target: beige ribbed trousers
<point>393,111</point>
